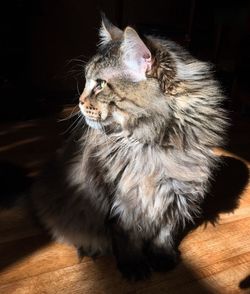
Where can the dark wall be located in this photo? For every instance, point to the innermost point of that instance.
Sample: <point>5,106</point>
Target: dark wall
<point>61,30</point>
<point>40,40</point>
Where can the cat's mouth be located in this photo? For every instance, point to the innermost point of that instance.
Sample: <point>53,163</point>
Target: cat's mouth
<point>93,118</point>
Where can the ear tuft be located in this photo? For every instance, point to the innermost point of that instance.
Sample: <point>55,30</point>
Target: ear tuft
<point>108,31</point>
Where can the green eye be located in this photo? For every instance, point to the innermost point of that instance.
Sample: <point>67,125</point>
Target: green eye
<point>100,84</point>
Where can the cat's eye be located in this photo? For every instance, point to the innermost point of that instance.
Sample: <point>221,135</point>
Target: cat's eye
<point>100,84</point>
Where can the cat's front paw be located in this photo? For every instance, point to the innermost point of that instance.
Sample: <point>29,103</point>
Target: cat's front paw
<point>161,260</point>
<point>135,270</point>
<point>81,253</point>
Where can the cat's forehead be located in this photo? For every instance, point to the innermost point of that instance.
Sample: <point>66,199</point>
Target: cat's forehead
<point>102,67</point>
<point>107,57</point>
<point>108,69</point>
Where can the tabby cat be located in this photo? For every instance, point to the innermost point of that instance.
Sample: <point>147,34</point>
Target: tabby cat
<point>141,169</point>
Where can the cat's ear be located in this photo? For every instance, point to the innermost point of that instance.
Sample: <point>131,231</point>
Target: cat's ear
<point>108,31</point>
<point>136,54</point>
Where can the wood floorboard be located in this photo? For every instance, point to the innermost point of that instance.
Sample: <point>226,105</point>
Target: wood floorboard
<point>215,257</point>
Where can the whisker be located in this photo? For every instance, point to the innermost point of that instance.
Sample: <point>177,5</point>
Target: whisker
<point>72,114</point>
<point>77,87</point>
<point>77,59</point>
<point>71,126</point>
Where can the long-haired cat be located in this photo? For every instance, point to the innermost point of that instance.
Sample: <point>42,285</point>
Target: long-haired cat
<point>142,167</point>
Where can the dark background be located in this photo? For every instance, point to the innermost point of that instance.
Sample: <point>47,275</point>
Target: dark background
<point>43,44</point>
<point>42,40</point>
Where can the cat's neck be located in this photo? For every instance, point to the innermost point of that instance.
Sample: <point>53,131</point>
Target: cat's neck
<point>124,140</point>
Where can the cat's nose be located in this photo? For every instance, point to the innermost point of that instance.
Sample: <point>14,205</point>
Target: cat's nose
<point>84,100</point>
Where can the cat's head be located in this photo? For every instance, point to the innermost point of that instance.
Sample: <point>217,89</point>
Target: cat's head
<point>118,90</point>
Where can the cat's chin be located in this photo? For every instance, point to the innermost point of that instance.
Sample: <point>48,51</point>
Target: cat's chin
<point>96,124</point>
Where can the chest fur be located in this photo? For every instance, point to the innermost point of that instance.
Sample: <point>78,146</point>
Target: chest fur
<point>152,184</point>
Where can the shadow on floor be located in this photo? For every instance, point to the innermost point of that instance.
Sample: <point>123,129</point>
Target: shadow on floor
<point>14,251</point>
<point>230,180</point>
<point>245,283</point>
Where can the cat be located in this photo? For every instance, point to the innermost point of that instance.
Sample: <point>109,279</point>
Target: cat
<point>141,168</point>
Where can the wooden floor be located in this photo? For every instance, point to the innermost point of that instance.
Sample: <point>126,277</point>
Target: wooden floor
<point>215,256</point>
